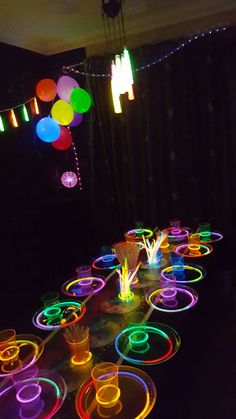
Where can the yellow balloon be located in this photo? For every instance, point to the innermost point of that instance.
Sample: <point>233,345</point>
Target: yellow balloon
<point>62,112</point>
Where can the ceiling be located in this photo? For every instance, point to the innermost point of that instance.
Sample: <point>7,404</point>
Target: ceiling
<point>54,26</point>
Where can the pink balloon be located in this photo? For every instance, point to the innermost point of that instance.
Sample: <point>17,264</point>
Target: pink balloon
<point>65,86</point>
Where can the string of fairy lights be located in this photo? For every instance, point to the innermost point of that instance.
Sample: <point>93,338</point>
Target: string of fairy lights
<point>179,47</point>
<point>34,108</point>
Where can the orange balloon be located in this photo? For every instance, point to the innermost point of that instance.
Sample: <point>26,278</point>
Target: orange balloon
<point>46,90</point>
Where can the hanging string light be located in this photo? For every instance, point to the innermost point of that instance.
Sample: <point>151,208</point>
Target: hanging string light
<point>77,165</point>
<point>25,114</point>
<point>13,119</point>
<point>11,114</point>
<point>183,43</point>
<point>2,129</point>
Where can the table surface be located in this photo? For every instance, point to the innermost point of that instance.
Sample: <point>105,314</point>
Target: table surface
<point>200,380</point>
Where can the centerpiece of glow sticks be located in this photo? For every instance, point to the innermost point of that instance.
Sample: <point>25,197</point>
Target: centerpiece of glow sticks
<point>77,338</point>
<point>152,248</point>
<point>128,251</point>
<point>125,280</point>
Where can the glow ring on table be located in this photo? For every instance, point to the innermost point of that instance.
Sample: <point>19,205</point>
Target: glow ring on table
<point>47,380</point>
<point>208,249</point>
<point>104,403</point>
<point>33,398</point>
<point>177,310</point>
<point>219,237</point>
<point>168,292</point>
<point>37,316</point>
<point>69,284</point>
<point>144,230</point>
<point>10,356</point>
<point>52,311</point>
<point>169,269</point>
<point>183,232</point>
<point>130,374</point>
<point>127,300</point>
<point>105,267</point>
<point>25,342</point>
<point>141,361</point>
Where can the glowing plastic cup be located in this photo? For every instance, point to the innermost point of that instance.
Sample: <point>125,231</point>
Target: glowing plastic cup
<point>50,298</point>
<point>194,249</point>
<point>177,263</point>
<point>105,378</point>
<point>9,357</point>
<point>29,392</point>
<point>205,231</point>
<point>6,336</point>
<point>28,395</point>
<point>80,349</point>
<point>83,271</point>
<point>86,283</point>
<point>107,259</point>
<point>194,238</point>
<point>168,279</point>
<point>164,247</point>
<point>138,339</point>
<point>29,373</point>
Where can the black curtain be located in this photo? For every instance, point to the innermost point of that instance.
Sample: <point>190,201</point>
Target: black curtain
<point>45,229</point>
<point>171,153</point>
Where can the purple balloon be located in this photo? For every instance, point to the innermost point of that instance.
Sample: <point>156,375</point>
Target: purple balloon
<point>65,86</point>
<point>78,118</point>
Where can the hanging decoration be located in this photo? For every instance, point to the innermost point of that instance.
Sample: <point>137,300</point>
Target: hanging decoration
<point>121,70</point>
<point>66,112</point>
<point>77,165</point>
<point>69,179</point>
<point>64,140</point>
<point>13,119</point>
<point>181,45</point>
<point>121,79</point>
<point>47,129</point>
<point>78,118</point>
<point>46,90</point>
<point>11,115</point>
<point>62,112</point>
<point>80,100</point>
<point>65,86</point>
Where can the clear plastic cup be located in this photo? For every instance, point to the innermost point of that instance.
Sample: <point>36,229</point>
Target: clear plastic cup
<point>105,378</point>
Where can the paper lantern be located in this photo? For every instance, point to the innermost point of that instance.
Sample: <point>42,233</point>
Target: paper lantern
<point>62,112</point>
<point>47,129</point>
<point>80,100</point>
<point>78,118</point>
<point>64,140</point>
<point>69,179</point>
<point>46,90</point>
<point>65,86</point>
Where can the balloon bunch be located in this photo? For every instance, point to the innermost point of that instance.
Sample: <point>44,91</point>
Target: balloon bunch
<point>67,111</point>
